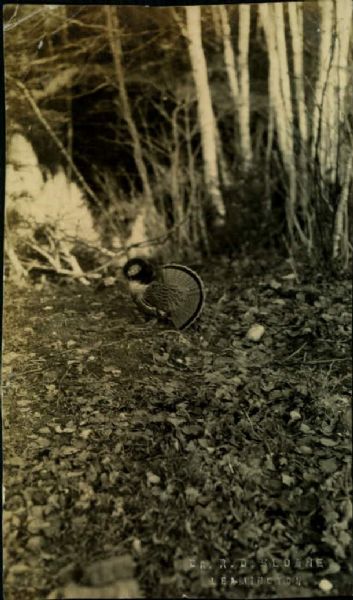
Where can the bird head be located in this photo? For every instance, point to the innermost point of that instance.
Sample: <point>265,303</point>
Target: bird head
<point>140,270</point>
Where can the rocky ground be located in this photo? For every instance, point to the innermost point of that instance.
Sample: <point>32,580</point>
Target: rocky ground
<point>211,463</point>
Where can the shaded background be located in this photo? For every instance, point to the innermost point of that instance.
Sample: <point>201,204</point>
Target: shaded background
<point>115,100</point>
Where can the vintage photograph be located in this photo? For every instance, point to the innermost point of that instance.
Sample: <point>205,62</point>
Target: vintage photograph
<point>177,323</point>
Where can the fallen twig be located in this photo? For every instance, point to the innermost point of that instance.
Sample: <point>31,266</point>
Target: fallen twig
<point>295,352</point>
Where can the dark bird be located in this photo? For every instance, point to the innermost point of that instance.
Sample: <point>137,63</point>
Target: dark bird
<point>169,291</point>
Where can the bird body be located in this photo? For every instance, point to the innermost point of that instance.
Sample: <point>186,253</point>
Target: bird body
<point>171,291</point>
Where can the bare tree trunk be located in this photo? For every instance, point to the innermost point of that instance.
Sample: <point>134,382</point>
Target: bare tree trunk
<point>230,64</point>
<point>287,104</point>
<point>319,125</point>
<point>333,105</point>
<point>284,71</point>
<point>116,50</point>
<point>244,104</point>
<point>295,11</point>
<point>275,93</point>
<point>270,132</point>
<point>344,156</point>
<point>65,36</point>
<point>344,17</point>
<point>340,232</point>
<point>272,20</point>
<point>329,110</point>
<point>217,22</point>
<point>177,191</point>
<point>344,32</point>
<point>224,172</point>
<point>191,177</point>
<point>205,110</point>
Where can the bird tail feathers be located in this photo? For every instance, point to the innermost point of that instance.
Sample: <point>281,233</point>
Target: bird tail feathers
<point>191,288</point>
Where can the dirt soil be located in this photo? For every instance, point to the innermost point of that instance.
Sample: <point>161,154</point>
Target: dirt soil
<point>218,465</point>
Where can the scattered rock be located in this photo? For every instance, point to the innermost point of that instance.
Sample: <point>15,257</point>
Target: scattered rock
<point>104,572</point>
<point>255,333</point>
<point>35,543</point>
<point>126,588</point>
<point>325,585</point>
<point>295,415</point>
<point>152,478</point>
<point>19,569</point>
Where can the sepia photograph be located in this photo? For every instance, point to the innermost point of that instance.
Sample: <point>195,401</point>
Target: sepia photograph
<point>177,305</point>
